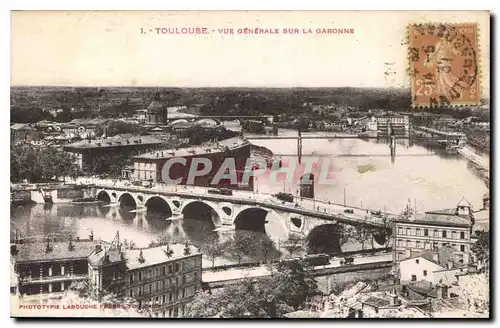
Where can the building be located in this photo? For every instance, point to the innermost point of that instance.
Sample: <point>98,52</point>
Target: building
<point>50,266</point>
<point>394,124</point>
<point>20,132</point>
<point>162,278</point>
<point>91,154</point>
<point>414,234</point>
<point>421,267</point>
<point>156,113</point>
<point>149,166</point>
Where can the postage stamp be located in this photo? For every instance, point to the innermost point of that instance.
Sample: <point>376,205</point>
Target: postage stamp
<point>444,64</point>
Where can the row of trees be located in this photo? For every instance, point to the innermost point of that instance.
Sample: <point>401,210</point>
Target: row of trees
<point>35,164</point>
<point>288,289</point>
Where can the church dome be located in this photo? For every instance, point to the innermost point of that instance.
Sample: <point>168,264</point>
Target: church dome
<point>155,106</point>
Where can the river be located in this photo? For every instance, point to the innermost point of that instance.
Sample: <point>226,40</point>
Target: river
<point>418,176</point>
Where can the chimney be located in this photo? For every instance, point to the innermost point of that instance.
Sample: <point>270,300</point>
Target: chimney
<point>187,251</point>
<point>13,249</point>
<point>97,248</point>
<point>70,245</point>
<point>141,258</point>
<point>91,236</point>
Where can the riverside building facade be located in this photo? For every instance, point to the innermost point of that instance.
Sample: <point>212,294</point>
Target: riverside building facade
<point>417,234</point>
<point>163,278</point>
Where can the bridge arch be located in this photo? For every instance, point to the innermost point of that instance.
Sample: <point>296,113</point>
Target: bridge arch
<point>252,219</point>
<point>208,121</point>
<point>103,196</point>
<point>179,121</point>
<point>157,204</point>
<point>127,200</point>
<point>324,238</point>
<point>200,210</point>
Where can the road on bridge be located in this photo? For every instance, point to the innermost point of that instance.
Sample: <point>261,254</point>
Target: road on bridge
<point>315,208</point>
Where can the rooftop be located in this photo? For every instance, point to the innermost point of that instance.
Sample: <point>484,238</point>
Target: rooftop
<point>98,258</point>
<point>155,106</point>
<point>231,143</point>
<point>140,258</point>
<point>21,126</point>
<point>32,252</point>
<point>429,256</point>
<point>447,217</point>
<point>117,141</point>
<point>377,301</point>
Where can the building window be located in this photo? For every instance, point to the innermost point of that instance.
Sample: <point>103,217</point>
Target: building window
<point>170,297</point>
<point>150,273</point>
<point>413,277</point>
<point>131,278</point>
<point>434,246</point>
<point>177,267</point>
<point>444,233</point>
<point>453,235</point>
<point>170,268</point>
<point>425,273</point>
<point>407,243</point>
<point>436,233</point>
<point>164,270</point>
<point>400,231</point>
<point>426,232</point>
<point>156,286</point>
<point>131,292</point>
<point>462,235</point>
<point>150,288</point>
<point>462,248</point>
<point>157,272</point>
<point>417,261</point>
<point>418,232</point>
<point>140,276</point>
<point>408,231</point>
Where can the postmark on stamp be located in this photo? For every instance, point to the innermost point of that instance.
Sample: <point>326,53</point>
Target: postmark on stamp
<point>444,64</point>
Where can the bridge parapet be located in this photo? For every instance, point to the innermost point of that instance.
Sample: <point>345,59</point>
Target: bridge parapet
<point>308,211</point>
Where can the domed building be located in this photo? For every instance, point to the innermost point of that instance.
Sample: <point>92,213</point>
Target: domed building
<point>156,113</point>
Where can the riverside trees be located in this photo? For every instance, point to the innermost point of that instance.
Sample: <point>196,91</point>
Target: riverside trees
<point>265,297</point>
<point>40,164</point>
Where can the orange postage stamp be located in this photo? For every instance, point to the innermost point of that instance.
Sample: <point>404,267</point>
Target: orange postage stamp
<point>444,64</point>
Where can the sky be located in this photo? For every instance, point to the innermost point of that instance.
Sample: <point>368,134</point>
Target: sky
<point>108,49</point>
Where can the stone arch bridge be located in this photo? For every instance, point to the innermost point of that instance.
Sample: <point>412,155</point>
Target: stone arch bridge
<point>235,212</point>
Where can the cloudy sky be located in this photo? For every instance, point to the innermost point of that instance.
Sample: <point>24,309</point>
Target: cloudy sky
<point>108,49</point>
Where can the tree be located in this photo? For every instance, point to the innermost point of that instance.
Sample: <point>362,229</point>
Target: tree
<point>293,244</point>
<point>362,234</point>
<point>264,297</point>
<point>481,248</point>
<point>212,249</point>
<point>265,247</point>
<point>40,164</point>
<point>240,244</point>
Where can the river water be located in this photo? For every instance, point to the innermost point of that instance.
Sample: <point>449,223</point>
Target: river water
<point>419,176</point>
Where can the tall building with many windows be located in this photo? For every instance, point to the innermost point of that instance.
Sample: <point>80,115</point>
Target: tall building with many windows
<point>163,278</point>
<point>433,230</point>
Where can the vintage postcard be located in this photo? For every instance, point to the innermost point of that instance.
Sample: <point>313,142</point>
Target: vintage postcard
<point>239,164</point>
